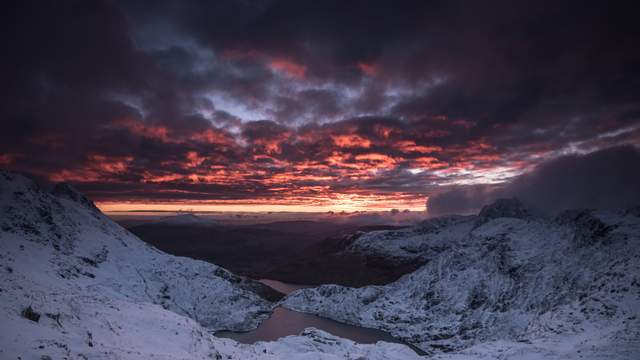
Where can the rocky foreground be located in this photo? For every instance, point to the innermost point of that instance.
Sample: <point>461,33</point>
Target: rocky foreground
<point>503,284</point>
<point>76,285</point>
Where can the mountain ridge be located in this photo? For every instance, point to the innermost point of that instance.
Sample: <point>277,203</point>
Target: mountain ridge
<point>76,285</point>
<point>504,283</point>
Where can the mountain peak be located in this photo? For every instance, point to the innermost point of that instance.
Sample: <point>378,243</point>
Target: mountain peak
<point>16,182</point>
<point>67,191</point>
<point>513,208</point>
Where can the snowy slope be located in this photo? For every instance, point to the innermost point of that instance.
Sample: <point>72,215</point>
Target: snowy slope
<point>68,241</point>
<point>98,292</point>
<point>502,286</point>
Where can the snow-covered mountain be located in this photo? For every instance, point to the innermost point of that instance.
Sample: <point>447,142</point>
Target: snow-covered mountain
<point>76,285</point>
<point>502,285</point>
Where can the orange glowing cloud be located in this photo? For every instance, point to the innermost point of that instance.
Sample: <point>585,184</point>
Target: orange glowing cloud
<point>269,146</point>
<point>344,165</point>
<point>485,157</point>
<point>383,131</point>
<point>310,165</point>
<point>143,129</point>
<point>212,137</point>
<point>151,178</point>
<point>408,146</point>
<point>165,135</point>
<point>351,141</point>
<point>428,162</point>
<point>98,167</point>
<point>110,164</point>
<point>381,161</point>
<point>194,160</point>
<point>340,160</point>
<point>78,176</point>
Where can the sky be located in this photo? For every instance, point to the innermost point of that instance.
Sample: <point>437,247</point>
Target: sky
<point>323,105</point>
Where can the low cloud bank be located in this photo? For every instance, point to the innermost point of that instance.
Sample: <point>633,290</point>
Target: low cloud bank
<point>606,179</point>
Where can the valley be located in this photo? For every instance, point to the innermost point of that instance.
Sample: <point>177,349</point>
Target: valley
<point>290,251</point>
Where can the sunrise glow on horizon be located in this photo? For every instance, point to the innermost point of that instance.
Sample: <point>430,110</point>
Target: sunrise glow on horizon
<point>355,204</point>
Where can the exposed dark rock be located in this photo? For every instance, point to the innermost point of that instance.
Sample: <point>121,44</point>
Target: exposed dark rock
<point>588,229</point>
<point>261,290</point>
<point>511,208</point>
<point>635,210</point>
<point>435,224</point>
<point>55,317</point>
<point>89,339</point>
<point>29,313</point>
<point>477,298</point>
<point>97,259</point>
<point>67,191</point>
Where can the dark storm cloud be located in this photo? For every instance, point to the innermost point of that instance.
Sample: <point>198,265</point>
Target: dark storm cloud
<point>606,179</point>
<point>246,99</point>
<point>461,200</point>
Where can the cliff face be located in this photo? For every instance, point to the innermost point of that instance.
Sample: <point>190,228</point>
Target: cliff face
<point>502,283</point>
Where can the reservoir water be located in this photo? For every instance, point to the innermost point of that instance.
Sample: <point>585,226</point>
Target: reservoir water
<point>284,322</point>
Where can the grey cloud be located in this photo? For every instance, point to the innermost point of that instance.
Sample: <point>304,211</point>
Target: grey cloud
<point>606,179</point>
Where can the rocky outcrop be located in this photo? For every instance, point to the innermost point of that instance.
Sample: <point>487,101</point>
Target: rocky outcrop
<point>67,191</point>
<point>588,229</point>
<point>634,210</point>
<point>509,208</point>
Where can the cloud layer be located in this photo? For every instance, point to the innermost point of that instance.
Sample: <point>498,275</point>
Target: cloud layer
<point>606,179</point>
<point>297,102</point>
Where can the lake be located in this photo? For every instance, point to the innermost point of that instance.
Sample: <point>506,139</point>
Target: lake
<point>284,322</point>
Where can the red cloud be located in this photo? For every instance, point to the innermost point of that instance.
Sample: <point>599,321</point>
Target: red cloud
<point>143,129</point>
<point>276,63</point>
<point>212,136</point>
<point>369,69</point>
<point>289,67</point>
<point>111,164</point>
<point>351,141</point>
<point>408,146</point>
<point>7,159</point>
<point>355,162</point>
<point>97,168</point>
